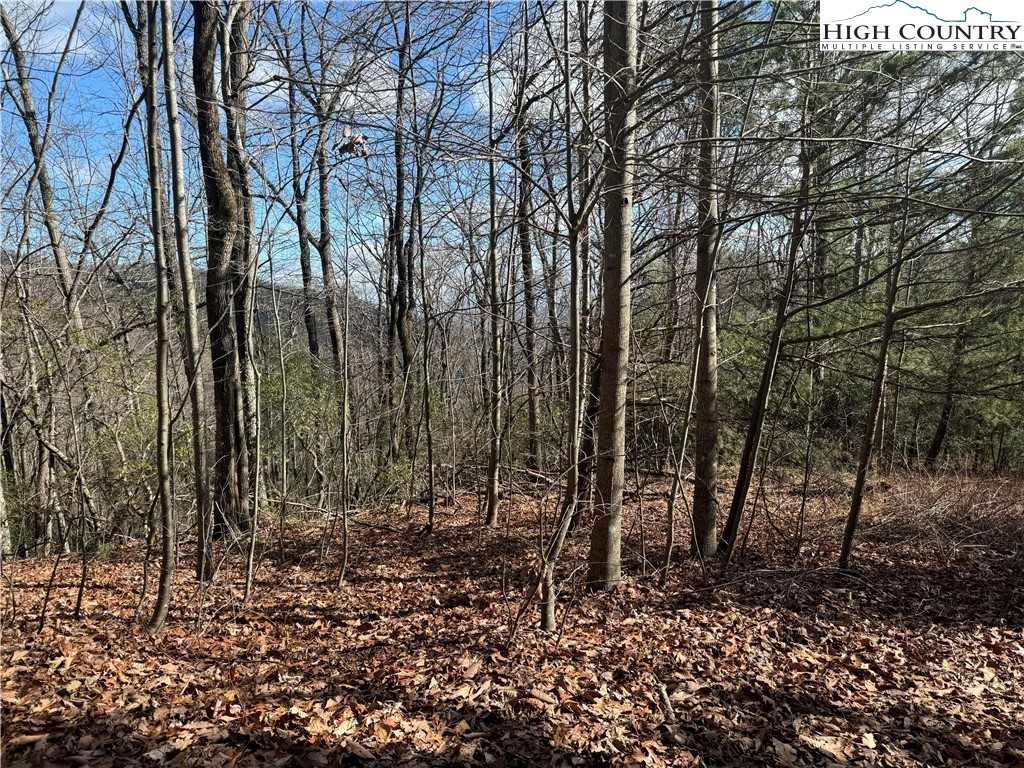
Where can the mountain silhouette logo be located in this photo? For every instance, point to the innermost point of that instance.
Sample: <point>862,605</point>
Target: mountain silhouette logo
<point>905,7</point>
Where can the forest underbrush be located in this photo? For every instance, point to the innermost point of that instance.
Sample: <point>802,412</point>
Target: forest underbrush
<point>429,653</point>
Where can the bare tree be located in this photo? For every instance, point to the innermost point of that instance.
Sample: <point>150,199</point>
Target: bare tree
<point>705,489</point>
<point>620,63</point>
<point>494,305</point>
<point>748,459</point>
<point>399,327</point>
<point>193,348</point>
<point>231,455</point>
<point>68,282</point>
<point>144,30</point>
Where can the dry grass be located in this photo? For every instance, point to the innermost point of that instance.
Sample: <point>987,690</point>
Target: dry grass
<point>950,512</point>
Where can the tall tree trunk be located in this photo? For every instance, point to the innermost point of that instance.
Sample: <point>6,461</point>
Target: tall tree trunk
<point>494,346</point>
<point>878,434</point>
<point>948,401</point>
<point>145,30</point>
<point>874,405</point>
<point>585,454</point>
<point>585,174</point>
<point>346,448</point>
<point>230,465</point>
<point>569,511</point>
<point>941,429</point>
<point>705,491</point>
<point>299,190</point>
<point>325,244</point>
<point>620,57</point>
<point>7,426</point>
<point>235,63</point>
<point>401,330</point>
<point>579,149</point>
<point>325,106</point>
<point>428,422</point>
<point>524,217</point>
<point>193,353</point>
<point>7,465</point>
<point>675,259</point>
<point>5,530</point>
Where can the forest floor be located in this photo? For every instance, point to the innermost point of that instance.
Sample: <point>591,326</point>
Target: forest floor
<point>917,660</point>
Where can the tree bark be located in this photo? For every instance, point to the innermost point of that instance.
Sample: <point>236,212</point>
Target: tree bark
<point>570,510</point>
<point>234,86</point>
<point>7,465</point>
<point>494,345</point>
<point>948,402</point>
<point>874,406</point>
<point>301,222</point>
<point>524,217</point>
<point>193,353</point>
<point>620,70</point>
<point>145,31</point>
<point>230,496</point>
<point>325,246</point>
<point>401,320</point>
<point>5,530</point>
<point>705,491</point>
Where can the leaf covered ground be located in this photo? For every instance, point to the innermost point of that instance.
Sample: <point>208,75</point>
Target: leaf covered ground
<point>917,660</point>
